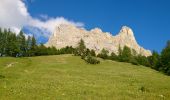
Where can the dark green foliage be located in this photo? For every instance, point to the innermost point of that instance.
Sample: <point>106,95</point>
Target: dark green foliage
<point>133,52</point>
<point>142,89</point>
<point>104,54</point>
<point>125,55</point>
<point>91,60</point>
<point>134,61</point>
<point>165,59</point>
<point>9,44</point>
<point>1,76</point>
<point>113,56</point>
<point>42,50</point>
<point>154,60</point>
<point>66,50</point>
<point>28,45</point>
<point>81,49</point>
<point>142,60</point>
<point>18,46</point>
<point>119,53</point>
<point>92,53</point>
<point>22,44</point>
<point>33,47</point>
<point>85,53</point>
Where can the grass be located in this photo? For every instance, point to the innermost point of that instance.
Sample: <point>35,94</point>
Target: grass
<point>66,77</point>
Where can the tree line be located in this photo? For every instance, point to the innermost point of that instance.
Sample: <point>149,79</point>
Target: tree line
<point>159,62</point>
<point>19,46</point>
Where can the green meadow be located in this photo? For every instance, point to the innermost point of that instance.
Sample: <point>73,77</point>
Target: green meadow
<point>67,77</point>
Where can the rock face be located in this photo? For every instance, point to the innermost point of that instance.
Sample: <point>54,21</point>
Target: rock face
<point>69,35</point>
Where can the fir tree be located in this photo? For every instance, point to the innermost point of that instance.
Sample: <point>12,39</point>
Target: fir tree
<point>165,59</point>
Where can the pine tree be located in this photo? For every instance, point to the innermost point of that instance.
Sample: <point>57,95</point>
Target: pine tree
<point>33,46</point>
<point>1,43</point>
<point>126,54</point>
<point>92,53</point>
<point>120,53</point>
<point>80,50</point>
<point>154,60</point>
<point>28,46</point>
<point>104,54</point>
<point>22,44</point>
<point>113,56</point>
<point>165,59</point>
<point>143,60</point>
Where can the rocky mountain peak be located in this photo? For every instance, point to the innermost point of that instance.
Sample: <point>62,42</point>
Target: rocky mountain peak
<point>96,30</point>
<point>69,35</point>
<point>126,31</point>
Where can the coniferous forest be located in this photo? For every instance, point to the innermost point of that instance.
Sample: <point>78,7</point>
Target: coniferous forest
<point>21,46</point>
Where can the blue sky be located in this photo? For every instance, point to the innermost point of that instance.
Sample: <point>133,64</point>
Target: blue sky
<point>149,19</point>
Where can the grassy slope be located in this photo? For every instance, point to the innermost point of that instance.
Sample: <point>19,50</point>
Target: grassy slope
<point>69,77</point>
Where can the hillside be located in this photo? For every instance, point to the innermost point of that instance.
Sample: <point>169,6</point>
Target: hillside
<point>69,77</point>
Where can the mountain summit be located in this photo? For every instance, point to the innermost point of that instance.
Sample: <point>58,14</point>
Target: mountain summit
<point>69,35</point>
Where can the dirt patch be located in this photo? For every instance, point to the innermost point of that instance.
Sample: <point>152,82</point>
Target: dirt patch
<point>11,64</point>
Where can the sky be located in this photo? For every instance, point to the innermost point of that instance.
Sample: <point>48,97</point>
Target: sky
<point>149,19</point>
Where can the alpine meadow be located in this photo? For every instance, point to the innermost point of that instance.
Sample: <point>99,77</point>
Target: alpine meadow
<point>84,50</point>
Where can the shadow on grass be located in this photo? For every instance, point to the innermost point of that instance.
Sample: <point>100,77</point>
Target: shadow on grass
<point>1,76</point>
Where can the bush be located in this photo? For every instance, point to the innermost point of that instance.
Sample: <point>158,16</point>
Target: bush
<point>134,61</point>
<point>92,53</point>
<point>91,60</point>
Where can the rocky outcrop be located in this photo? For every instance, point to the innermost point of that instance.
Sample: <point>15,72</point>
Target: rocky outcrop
<point>69,35</point>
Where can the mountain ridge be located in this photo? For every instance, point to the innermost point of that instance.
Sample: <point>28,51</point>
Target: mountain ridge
<point>69,35</point>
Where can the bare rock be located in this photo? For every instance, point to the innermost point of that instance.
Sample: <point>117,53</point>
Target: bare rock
<point>69,35</point>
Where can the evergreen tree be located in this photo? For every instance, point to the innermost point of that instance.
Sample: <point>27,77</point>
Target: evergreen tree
<point>154,60</point>
<point>104,54</point>
<point>80,50</point>
<point>41,50</point>
<point>120,53</point>
<point>53,50</point>
<point>11,45</point>
<point>33,46</point>
<point>92,53</point>
<point>14,46</point>
<point>1,42</point>
<point>87,52</point>
<point>22,44</point>
<point>113,56</point>
<point>126,54</point>
<point>28,46</point>
<point>143,60</point>
<point>134,53</point>
<point>165,59</point>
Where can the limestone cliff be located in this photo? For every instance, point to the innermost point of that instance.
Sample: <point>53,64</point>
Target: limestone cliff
<point>69,35</point>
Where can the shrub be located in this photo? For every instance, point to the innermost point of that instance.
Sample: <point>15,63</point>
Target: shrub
<point>134,61</point>
<point>142,88</point>
<point>91,60</point>
<point>92,53</point>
